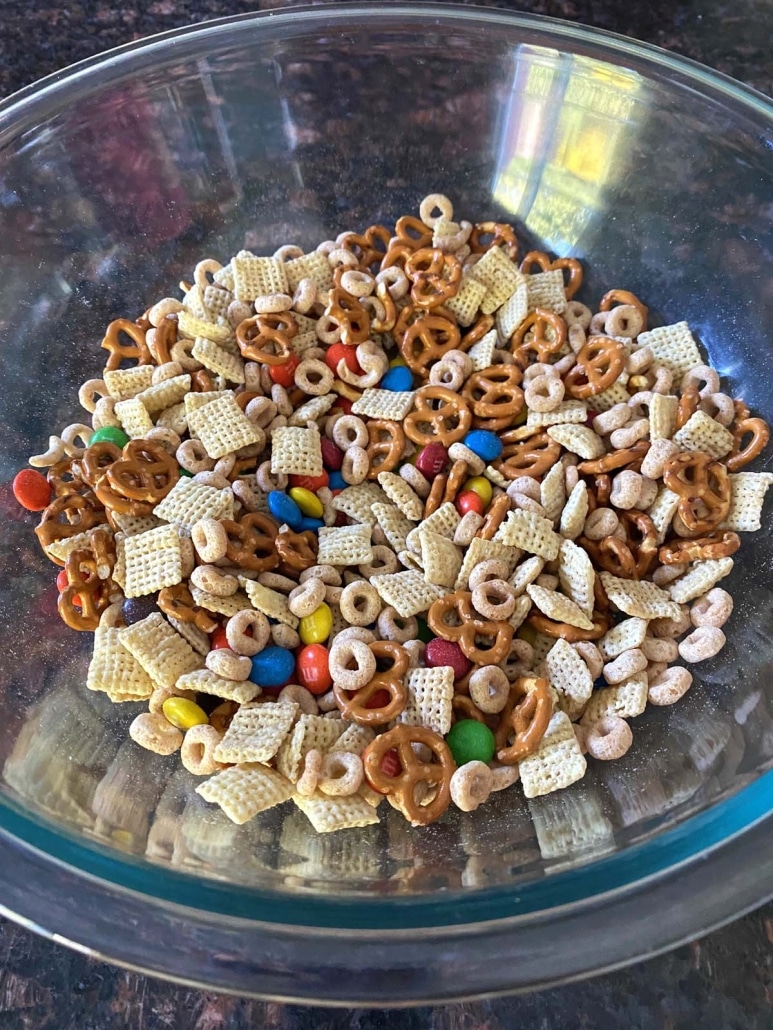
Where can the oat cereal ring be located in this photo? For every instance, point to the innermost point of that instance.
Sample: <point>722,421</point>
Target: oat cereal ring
<point>192,456</point>
<point>313,377</point>
<point>436,202</point>
<point>608,739</point>
<point>52,456</point>
<point>301,696</point>
<point>447,373</point>
<point>544,393</point>
<point>392,626</point>
<point>341,774</point>
<point>312,769</point>
<point>328,575</point>
<point>152,731</point>
<point>210,540</point>
<point>704,642</point>
<point>268,481</point>
<point>712,609</point>
<point>669,686</point>
<point>360,603</point>
<point>356,465</point>
<point>285,636</point>
<point>383,563</point>
<point>471,785</point>
<point>226,663</point>
<point>576,313</point>
<point>352,664</point>
<point>214,580</point>
<point>261,411</point>
<point>367,636</point>
<point>197,753</point>
<point>247,632</point>
<point>601,523</point>
<point>350,431</point>
<point>591,655</point>
<point>494,599</point>
<point>630,434</point>
<point>306,598</point>
<point>489,689</point>
<point>490,569</point>
<point>625,320</point>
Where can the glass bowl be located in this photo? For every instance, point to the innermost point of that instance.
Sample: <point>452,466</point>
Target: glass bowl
<point>115,178</point>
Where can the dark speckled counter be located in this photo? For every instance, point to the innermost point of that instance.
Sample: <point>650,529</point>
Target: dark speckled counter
<point>723,982</point>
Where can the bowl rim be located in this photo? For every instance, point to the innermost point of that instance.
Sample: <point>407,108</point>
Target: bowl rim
<point>724,823</point>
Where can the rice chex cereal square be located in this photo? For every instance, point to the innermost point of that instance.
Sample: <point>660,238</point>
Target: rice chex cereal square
<point>125,383</point>
<point>328,814</point>
<point>546,290</point>
<point>530,532</point>
<point>257,276</point>
<point>296,451</point>
<point>163,395</point>
<point>394,524</point>
<point>244,790</point>
<point>188,502</point>
<point>114,670</point>
<point>568,675</point>
<point>558,607</point>
<point>576,575</point>
<point>441,558</point>
<point>501,277</point>
<point>191,326</point>
<point>747,498</point>
<point>482,353</point>
<point>627,700</point>
<point>357,502</point>
<point>310,732</point>
<point>273,604</point>
<point>159,649</point>
<point>624,636</point>
<point>392,405</point>
<point>153,561</point>
<point>702,433</point>
<point>430,692</point>
<point>256,733</point>
<point>345,545</point>
<point>673,346</point>
<point>513,311</point>
<point>223,427</point>
<point>480,550</point>
<point>204,681</point>
<point>557,762</point>
<point>407,592</point>
<point>701,578</point>
<point>218,360</point>
<point>134,418</point>
<point>566,413</point>
<point>643,599</point>
<point>662,414</point>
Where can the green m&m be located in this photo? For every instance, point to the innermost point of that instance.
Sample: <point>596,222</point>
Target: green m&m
<point>110,434</point>
<point>471,741</point>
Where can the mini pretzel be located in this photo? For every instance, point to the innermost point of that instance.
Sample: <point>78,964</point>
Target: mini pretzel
<point>251,542</point>
<point>537,324</point>
<point>526,713</point>
<point>367,706</point>
<point>426,340</point>
<point>502,235</point>
<point>401,786</point>
<point>570,265</point>
<point>612,555</point>
<point>612,297</point>
<point>80,514</point>
<point>530,457</point>
<point>92,593</point>
<point>435,277</point>
<point>458,473</point>
<point>495,516</point>
<point>266,338</point>
<point>688,404</point>
<point>615,459</point>
<point>571,634</point>
<point>297,550</point>
<point>436,494</point>
<point>350,315</point>
<point>366,247</point>
<point>66,476</point>
<point>464,707</point>
<point>718,545</point>
<point>178,603</point>
<point>639,525</point>
<point>385,447</point>
<point>96,460</point>
<point>495,396</point>
<point>704,489</point>
<point>412,232</point>
<point>598,367</point>
<point>145,473</point>
<point>760,434</point>
<point>445,424</point>
<point>468,626</point>
<point>137,350</point>
<point>481,328</point>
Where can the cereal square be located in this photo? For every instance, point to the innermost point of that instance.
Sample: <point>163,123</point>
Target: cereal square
<point>328,814</point>
<point>244,790</point>
<point>513,311</point>
<point>747,498</point>
<point>702,433</point>
<point>114,670</point>
<point>392,405</point>
<point>558,607</point>
<point>407,592</point>
<point>153,561</point>
<point>257,276</point>
<point>188,502</point>
<point>557,762</point>
<point>159,649</point>
<point>430,692</point>
<point>223,427</point>
<point>466,303</point>
<point>530,532</point>
<point>345,545</point>
<point>546,290</point>
<point>673,346</point>
<point>256,733</point>
<point>296,451</point>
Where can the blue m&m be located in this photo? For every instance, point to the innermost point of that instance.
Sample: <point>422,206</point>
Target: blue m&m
<point>485,444</point>
<point>272,667</point>
<point>397,379</point>
<point>284,509</point>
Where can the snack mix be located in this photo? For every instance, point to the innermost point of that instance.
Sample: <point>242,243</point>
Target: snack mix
<point>397,518</point>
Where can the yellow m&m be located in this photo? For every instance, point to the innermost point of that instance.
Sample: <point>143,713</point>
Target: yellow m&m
<point>316,628</point>
<point>308,502</point>
<point>480,486</point>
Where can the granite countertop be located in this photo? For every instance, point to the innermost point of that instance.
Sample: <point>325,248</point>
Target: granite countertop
<point>724,981</point>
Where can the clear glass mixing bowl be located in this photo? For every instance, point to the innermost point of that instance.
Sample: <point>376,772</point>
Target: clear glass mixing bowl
<point>115,178</point>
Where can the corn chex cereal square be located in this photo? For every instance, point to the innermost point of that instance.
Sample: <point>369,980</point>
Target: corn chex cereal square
<point>345,545</point>
<point>430,692</point>
<point>225,277</point>
<point>576,575</point>
<point>566,413</point>
<point>153,561</point>
<point>482,353</point>
<point>440,557</point>
<point>530,532</point>
<point>558,607</point>
<point>402,495</point>
<point>747,497</point>
<point>513,311</point>
<point>114,670</point>
<point>617,393</point>
<point>662,511</point>
<point>357,502</point>
<point>188,502</point>
<point>575,512</point>
<point>244,790</point>
<point>394,524</point>
<point>303,342</point>
<point>219,360</point>
<point>579,440</point>
<point>624,636</point>
<point>256,733</point>
<point>223,427</point>
<point>191,326</point>
<point>163,395</point>
<point>481,550</point>
<point>159,649</point>
<point>354,739</point>
<point>523,606</point>
<point>328,814</point>
<point>310,732</point>
<point>215,301</point>
<point>673,346</point>
<point>62,549</point>
<point>125,383</point>
<point>500,277</point>
<point>642,599</point>
<point>134,418</point>
<point>568,675</point>
<point>204,681</point>
<point>702,433</point>
<point>194,302</point>
<point>257,276</point>
<point>627,700</point>
<point>466,303</point>
<point>130,525</point>
<point>557,762</point>
<point>314,408</point>
<point>701,578</point>
<point>662,415</point>
<point>310,266</point>
<point>230,605</point>
<point>546,290</point>
<point>392,405</point>
<point>553,492</point>
<point>273,604</point>
<point>296,451</point>
<point>407,592</point>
